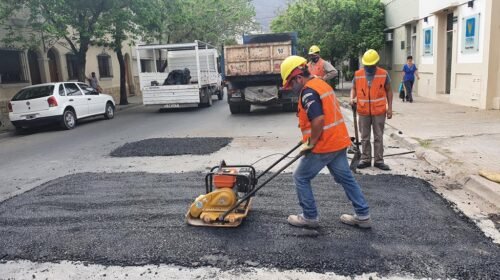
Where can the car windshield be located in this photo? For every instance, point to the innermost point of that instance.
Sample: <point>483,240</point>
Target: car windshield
<point>34,92</point>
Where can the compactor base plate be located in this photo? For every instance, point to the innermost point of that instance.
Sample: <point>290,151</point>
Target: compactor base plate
<point>242,212</point>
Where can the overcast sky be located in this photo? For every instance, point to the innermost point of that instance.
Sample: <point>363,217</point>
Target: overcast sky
<point>266,10</point>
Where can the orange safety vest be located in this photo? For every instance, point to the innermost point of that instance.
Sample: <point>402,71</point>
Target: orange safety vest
<point>318,68</point>
<point>372,101</point>
<point>335,136</point>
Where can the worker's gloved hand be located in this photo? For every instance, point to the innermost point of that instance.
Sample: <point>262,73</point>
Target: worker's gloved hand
<point>306,146</point>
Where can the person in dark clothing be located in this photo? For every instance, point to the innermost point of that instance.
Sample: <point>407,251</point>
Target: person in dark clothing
<point>409,72</point>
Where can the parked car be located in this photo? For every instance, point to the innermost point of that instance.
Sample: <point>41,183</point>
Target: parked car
<point>62,103</point>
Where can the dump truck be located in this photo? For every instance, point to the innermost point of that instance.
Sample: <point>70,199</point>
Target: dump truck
<point>179,75</point>
<point>252,72</point>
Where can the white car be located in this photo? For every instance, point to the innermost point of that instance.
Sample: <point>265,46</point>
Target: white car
<point>64,103</point>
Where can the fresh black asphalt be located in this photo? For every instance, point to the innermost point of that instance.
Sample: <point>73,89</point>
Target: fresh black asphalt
<point>171,147</point>
<point>138,218</point>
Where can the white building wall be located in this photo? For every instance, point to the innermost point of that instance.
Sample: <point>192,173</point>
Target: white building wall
<point>472,74</point>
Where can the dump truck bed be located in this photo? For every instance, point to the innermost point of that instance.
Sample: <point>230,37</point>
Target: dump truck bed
<point>255,59</point>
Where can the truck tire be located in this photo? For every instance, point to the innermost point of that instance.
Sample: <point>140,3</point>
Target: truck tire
<point>234,108</point>
<point>289,107</point>
<point>245,108</point>
<point>220,94</point>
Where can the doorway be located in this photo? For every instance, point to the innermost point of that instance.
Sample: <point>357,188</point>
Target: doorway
<point>53,69</point>
<point>449,51</point>
<point>36,78</point>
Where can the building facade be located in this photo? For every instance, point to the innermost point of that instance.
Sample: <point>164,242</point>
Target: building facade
<point>455,44</point>
<point>55,62</point>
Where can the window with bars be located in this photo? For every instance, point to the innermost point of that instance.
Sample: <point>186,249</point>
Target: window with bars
<point>14,67</point>
<point>72,63</point>
<point>104,64</point>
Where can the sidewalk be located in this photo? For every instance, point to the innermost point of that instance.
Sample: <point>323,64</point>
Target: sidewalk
<point>458,140</point>
<point>133,101</point>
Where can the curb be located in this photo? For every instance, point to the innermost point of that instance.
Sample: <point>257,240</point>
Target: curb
<point>484,189</point>
<point>487,190</point>
<point>128,106</point>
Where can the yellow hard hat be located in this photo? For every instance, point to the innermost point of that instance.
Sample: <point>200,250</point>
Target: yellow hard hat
<point>370,57</point>
<point>314,49</point>
<point>288,65</point>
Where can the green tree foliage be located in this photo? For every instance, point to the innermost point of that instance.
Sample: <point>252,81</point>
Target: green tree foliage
<point>342,28</point>
<point>129,20</point>
<point>211,21</point>
<point>76,22</point>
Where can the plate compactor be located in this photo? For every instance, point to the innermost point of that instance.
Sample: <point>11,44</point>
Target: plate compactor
<point>229,193</point>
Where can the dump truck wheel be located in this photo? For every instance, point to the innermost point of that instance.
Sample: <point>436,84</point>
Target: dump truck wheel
<point>290,107</point>
<point>245,108</point>
<point>234,108</point>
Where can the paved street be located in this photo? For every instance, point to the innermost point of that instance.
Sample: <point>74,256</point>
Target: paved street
<point>86,206</point>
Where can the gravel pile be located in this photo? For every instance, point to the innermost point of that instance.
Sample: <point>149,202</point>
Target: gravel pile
<point>138,218</point>
<point>171,147</point>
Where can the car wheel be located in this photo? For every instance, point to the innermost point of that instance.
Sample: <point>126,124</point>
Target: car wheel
<point>234,108</point>
<point>68,120</point>
<point>110,111</point>
<point>19,129</point>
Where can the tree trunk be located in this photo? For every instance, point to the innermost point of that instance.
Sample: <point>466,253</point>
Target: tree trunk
<point>82,61</point>
<point>123,88</point>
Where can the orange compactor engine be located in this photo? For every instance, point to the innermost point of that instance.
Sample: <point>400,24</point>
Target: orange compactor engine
<point>225,185</point>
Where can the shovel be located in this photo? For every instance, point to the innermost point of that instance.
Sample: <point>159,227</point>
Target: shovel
<point>357,153</point>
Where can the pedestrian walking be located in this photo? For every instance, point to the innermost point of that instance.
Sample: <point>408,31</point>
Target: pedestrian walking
<point>319,67</point>
<point>372,94</point>
<point>94,83</point>
<point>408,76</point>
<point>325,140</point>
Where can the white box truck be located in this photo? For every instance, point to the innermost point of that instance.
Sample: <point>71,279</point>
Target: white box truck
<point>179,75</point>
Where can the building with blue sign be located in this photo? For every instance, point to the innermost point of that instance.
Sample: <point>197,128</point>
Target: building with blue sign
<point>455,44</point>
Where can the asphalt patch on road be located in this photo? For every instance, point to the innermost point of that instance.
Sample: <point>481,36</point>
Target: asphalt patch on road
<point>171,147</point>
<point>138,218</point>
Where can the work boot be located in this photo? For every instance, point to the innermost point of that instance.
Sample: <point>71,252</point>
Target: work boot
<point>301,221</point>
<point>364,164</point>
<point>353,220</point>
<point>382,166</point>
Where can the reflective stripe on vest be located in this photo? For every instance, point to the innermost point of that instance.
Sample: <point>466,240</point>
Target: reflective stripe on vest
<point>372,100</point>
<point>326,127</point>
<point>376,76</point>
<point>334,136</point>
<point>325,95</point>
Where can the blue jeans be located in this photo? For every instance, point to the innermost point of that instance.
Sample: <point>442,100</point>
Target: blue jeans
<point>310,165</point>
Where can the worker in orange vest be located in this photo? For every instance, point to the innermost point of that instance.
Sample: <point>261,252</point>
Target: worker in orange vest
<point>325,139</point>
<point>372,94</point>
<point>319,67</point>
